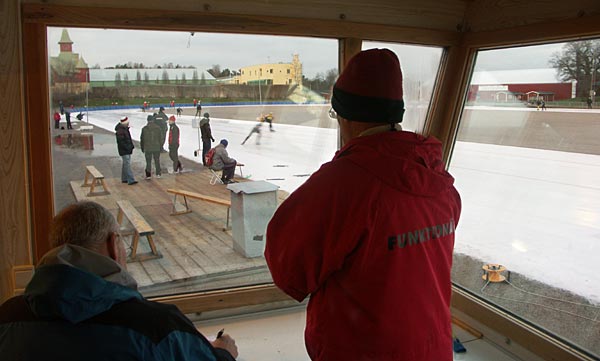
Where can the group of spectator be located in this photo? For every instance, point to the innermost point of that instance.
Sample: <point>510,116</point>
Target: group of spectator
<point>152,141</point>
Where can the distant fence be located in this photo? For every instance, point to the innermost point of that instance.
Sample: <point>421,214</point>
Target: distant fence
<point>183,105</point>
<point>549,104</point>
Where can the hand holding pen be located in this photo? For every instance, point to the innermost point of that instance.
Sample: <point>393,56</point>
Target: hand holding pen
<point>225,342</point>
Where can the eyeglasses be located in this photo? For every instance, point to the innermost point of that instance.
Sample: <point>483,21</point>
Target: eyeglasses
<point>332,114</point>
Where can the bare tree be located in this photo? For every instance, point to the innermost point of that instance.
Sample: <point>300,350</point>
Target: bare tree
<point>215,70</point>
<point>580,61</point>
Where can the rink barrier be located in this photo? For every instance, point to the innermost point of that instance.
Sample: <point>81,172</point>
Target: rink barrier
<point>186,105</point>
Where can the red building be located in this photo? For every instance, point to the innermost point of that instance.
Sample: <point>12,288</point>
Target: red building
<point>68,71</point>
<point>525,85</point>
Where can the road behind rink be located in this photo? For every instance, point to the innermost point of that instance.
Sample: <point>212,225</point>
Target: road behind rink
<point>568,130</point>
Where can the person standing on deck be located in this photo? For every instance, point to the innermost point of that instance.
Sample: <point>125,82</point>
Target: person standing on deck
<point>174,145</point>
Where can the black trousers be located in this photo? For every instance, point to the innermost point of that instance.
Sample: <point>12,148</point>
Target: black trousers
<point>205,148</point>
<point>174,157</point>
<point>228,171</point>
<point>149,157</point>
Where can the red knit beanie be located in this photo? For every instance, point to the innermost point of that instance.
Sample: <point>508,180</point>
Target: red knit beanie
<point>370,88</point>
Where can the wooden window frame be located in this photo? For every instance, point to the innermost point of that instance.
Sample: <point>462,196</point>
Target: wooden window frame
<point>442,120</point>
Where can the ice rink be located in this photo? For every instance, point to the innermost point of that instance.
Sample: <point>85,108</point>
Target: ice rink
<point>535,211</point>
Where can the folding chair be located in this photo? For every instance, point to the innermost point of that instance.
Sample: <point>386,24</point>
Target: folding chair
<point>215,177</point>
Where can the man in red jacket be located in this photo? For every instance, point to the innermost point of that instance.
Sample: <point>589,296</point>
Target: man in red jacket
<point>369,236</point>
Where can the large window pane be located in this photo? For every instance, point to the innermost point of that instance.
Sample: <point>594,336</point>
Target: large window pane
<point>527,165</point>
<point>236,79</point>
<point>419,68</point>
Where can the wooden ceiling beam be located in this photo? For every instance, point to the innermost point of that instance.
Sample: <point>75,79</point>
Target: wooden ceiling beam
<point>150,19</point>
<point>575,28</point>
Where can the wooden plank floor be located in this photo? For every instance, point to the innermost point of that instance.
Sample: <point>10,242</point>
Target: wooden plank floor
<point>194,245</point>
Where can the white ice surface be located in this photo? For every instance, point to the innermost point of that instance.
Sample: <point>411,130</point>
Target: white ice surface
<point>535,211</point>
<point>301,149</point>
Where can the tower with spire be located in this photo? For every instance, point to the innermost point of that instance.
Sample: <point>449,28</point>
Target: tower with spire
<point>66,45</point>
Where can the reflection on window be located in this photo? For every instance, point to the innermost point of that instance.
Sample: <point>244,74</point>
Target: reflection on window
<point>280,117</point>
<point>419,68</point>
<point>527,165</point>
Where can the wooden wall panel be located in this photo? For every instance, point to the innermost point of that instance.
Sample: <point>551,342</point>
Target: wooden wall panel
<point>38,134</point>
<point>431,14</point>
<point>14,234</point>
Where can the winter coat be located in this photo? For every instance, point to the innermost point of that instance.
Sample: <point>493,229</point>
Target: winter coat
<point>370,237</point>
<point>161,119</point>
<point>74,310</point>
<point>124,142</point>
<point>173,136</point>
<point>150,140</point>
<point>205,129</point>
<point>221,158</point>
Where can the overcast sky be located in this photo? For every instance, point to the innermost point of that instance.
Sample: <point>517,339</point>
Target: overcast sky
<point>108,47</point>
<point>111,47</point>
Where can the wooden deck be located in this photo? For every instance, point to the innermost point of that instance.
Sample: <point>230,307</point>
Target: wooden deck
<point>197,252</point>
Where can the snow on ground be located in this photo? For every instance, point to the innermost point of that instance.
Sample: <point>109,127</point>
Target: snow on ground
<point>535,211</point>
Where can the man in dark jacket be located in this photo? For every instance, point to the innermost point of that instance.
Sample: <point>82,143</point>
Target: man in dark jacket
<point>82,304</point>
<point>198,108</point>
<point>150,142</point>
<point>207,137</point>
<point>68,119</point>
<point>125,147</point>
<point>161,119</point>
<point>174,145</point>
<point>369,236</point>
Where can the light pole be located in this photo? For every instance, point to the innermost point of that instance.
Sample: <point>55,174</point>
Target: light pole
<point>595,54</point>
<point>87,90</point>
<point>259,90</point>
<point>592,92</point>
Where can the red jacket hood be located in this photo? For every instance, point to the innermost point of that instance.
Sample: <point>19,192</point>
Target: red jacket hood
<point>418,166</point>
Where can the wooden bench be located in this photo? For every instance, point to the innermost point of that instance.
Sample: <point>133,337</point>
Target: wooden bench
<point>187,194</point>
<point>92,179</point>
<point>140,228</point>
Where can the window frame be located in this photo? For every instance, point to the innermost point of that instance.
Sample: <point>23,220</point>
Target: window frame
<point>442,120</point>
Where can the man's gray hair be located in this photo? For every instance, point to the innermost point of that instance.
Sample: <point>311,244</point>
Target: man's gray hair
<point>85,224</point>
